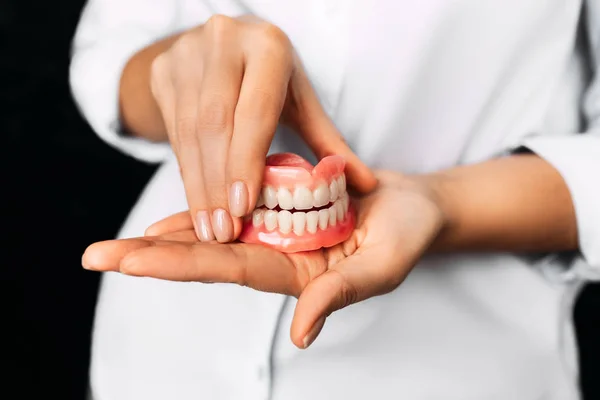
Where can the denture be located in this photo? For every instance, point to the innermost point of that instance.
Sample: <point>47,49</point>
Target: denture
<point>301,207</point>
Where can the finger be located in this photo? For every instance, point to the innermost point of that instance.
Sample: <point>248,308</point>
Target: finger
<point>218,98</point>
<point>354,279</point>
<point>183,236</point>
<point>322,136</point>
<point>176,222</point>
<point>189,158</point>
<point>107,255</point>
<point>186,71</point>
<point>262,96</point>
<point>163,91</point>
<point>254,266</point>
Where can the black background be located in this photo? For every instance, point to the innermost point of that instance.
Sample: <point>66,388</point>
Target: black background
<point>62,188</point>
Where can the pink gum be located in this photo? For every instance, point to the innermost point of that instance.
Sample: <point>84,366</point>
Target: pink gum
<point>290,170</point>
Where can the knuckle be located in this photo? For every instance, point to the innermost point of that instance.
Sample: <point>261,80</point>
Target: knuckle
<point>159,73</point>
<point>274,40</point>
<point>219,26</point>
<point>186,44</point>
<point>240,274</point>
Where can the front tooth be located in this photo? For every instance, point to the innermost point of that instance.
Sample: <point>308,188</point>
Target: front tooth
<point>303,198</point>
<point>269,197</point>
<point>332,215</point>
<point>339,208</point>
<point>270,220</point>
<point>341,181</point>
<point>258,216</point>
<point>260,201</point>
<point>284,220</point>
<point>321,195</point>
<point>312,220</point>
<point>285,199</point>
<point>298,222</point>
<point>333,191</point>
<point>323,219</point>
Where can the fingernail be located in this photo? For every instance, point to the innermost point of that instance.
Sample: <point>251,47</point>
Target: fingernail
<point>238,199</point>
<point>203,226</point>
<point>222,225</point>
<point>312,335</point>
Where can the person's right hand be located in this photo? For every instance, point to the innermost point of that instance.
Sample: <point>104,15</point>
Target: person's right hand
<point>222,88</point>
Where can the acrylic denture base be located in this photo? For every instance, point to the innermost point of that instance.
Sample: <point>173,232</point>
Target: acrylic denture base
<point>301,207</point>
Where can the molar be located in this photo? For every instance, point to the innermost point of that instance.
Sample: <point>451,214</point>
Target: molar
<point>284,220</point>
<point>303,198</point>
<point>321,195</point>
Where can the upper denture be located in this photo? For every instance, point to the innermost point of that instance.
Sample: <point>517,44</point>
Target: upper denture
<point>290,170</point>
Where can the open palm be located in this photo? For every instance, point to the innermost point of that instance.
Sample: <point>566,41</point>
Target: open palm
<point>395,225</point>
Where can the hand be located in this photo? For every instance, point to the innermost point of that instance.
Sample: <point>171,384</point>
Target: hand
<point>222,88</point>
<point>396,224</point>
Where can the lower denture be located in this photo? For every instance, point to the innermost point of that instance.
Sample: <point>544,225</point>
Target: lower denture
<point>284,217</point>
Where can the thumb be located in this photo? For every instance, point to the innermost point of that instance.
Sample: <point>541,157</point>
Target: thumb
<point>321,297</point>
<point>322,136</point>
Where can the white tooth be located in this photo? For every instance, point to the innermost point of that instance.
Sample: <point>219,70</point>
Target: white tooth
<point>312,220</point>
<point>321,195</point>
<point>285,199</point>
<point>260,201</point>
<point>269,197</point>
<point>332,215</point>
<point>303,198</point>
<point>284,220</point>
<point>258,216</point>
<point>333,191</point>
<point>270,220</point>
<point>341,181</point>
<point>323,219</point>
<point>339,208</point>
<point>298,222</point>
<point>345,201</point>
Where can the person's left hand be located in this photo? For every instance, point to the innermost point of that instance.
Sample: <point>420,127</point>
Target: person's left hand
<point>396,224</point>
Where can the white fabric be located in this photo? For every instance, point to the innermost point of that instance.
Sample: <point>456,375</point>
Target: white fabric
<point>415,87</point>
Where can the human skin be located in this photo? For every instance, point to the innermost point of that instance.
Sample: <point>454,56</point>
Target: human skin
<point>517,204</point>
<point>217,93</point>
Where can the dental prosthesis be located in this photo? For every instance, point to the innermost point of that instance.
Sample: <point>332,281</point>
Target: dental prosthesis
<point>301,207</point>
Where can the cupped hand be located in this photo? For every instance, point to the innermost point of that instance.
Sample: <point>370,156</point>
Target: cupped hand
<point>222,89</point>
<point>396,224</point>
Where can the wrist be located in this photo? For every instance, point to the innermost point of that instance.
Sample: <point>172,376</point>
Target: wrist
<point>439,188</point>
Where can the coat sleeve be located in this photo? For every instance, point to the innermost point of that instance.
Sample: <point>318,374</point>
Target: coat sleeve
<point>108,34</point>
<point>577,158</point>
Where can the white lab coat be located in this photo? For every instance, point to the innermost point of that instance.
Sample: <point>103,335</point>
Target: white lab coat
<point>414,87</point>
